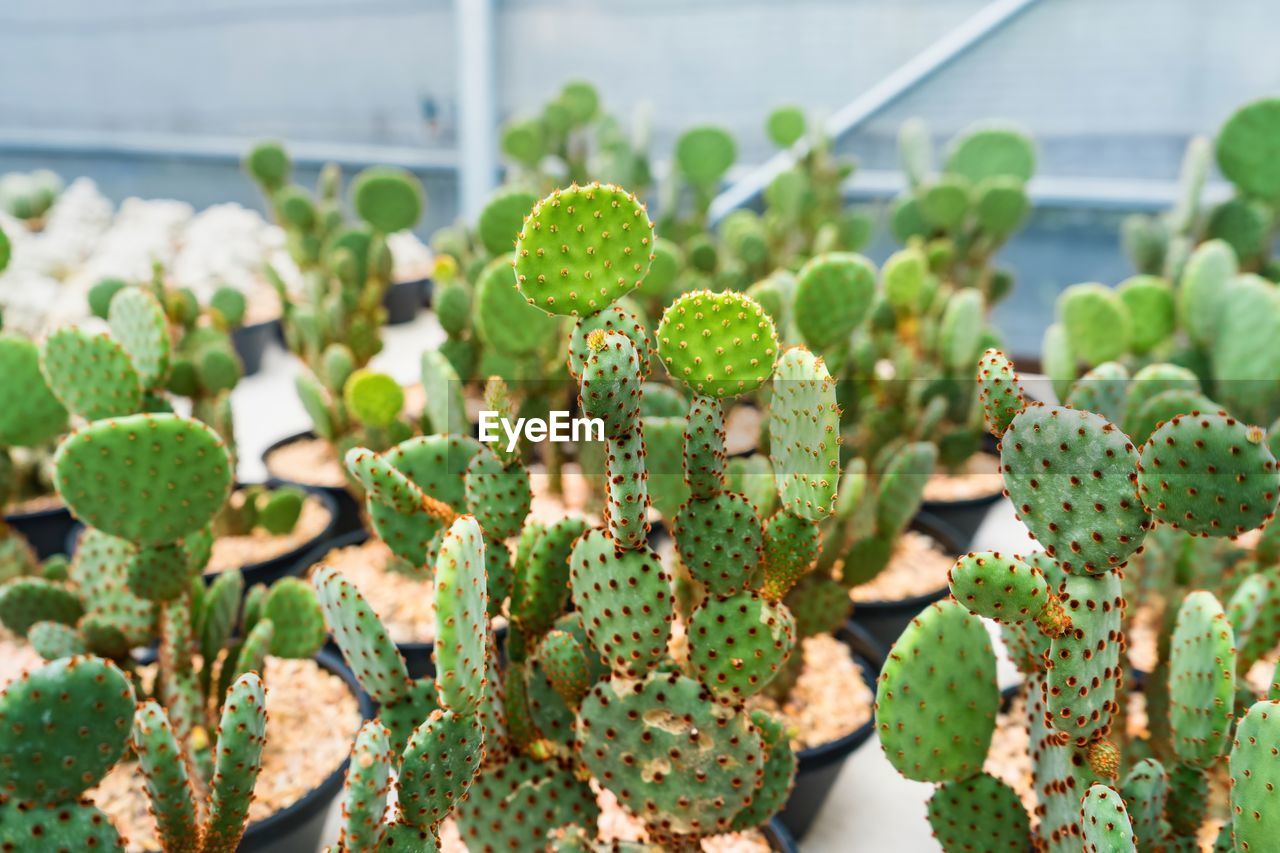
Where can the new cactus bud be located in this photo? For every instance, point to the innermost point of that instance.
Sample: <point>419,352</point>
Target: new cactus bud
<point>1001,392</point>
<point>1008,590</point>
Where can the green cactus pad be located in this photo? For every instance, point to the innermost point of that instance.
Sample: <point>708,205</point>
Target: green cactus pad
<point>1151,305</point>
<point>1151,381</point>
<point>1246,354</point>
<point>627,500</point>
<point>1000,391</point>
<point>832,297</point>
<point>1206,275</point>
<point>150,479</point>
<point>403,716</point>
<point>364,797</point>
<point>582,248</point>
<point>901,486</point>
<point>1247,149</point>
<point>610,389</point>
<point>29,412</point>
<point>374,399</point>
<point>980,810</point>
<point>1059,773</point>
<point>362,637</point>
<point>504,319</point>
<point>1105,822</point>
<point>1202,680</point>
<point>1104,390</point>
<point>717,344</point>
<point>497,495</point>
<point>704,455</point>
<point>62,727</point>
<point>683,772</point>
<point>664,461</point>
<point>500,221</point>
<point>1004,589</point>
<point>945,203</point>
<point>26,601</point>
<point>738,643</point>
<point>238,758</point>
<point>6,250</point>
<point>779,773</point>
<point>1072,478</point>
<point>440,761</point>
<point>98,569</point>
<point>542,574</point>
<point>565,662</point>
<point>1097,321</point>
<point>791,545</point>
<point>268,164</point>
<point>804,435</point>
<point>1164,407</point>
<point>388,199</point>
<point>1058,359</point>
<point>1084,663</point>
<point>90,374</point>
<point>139,324</point>
<point>704,155</point>
<point>936,700</point>
<point>1209,474</point>
<point>1145,790</point>
<point>1001,205</point>
<point>53,640</point>
<point>615,318</point>
<point>296,618</point>
<point>960,334</point>
<point>516,804</point>
<point>623,597</point>
<point>159,572</point>
<point>1255,776</point>
<point>720,541</point>
<point>69,827</point>
<point>278,514</point>
<point>462,620</point>
<point>444,410</point>
<point>990,151</point>
<point>168,785</point>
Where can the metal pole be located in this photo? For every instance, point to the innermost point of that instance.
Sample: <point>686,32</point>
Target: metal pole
<point>890,89</point>
<point>477,105</point>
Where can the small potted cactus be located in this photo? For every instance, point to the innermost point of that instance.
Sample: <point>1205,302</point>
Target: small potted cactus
<point>1090,498</point>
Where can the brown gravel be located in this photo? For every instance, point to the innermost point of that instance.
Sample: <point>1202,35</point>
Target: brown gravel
<point>918,566</point>
<point>233,552</point>
<point>548,507</point>
<point>38,503</point>
<point>405,605</point>
<point>312,719</point>
<point>1142,636</point>
<point>830,699</point>
<point>742,429</point>
<point>308,460</point>
<point>980,478</point>
<point>16,657</point>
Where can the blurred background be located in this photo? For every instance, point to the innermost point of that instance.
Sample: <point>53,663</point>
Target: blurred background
<point>159,100</point>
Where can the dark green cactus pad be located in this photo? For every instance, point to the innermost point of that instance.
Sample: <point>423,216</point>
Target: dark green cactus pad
<point>1255,776</point>
<point>62,727</point>
<point>389,199</point>
<point>362,637</point>
<point>1145,790</point>
<point>68,827</point>
<point>499,496</point>
<point>1247,149</point>
<point>627,498</point>
<point>1105,822</point>
<point>1084,663</point>
<point>717,344</point>
<point>500,221</point>
<point>1104,390</point>
<point>439,763</point>
<point>583,248</point>
<point>1059,773</point>
<point>737,643</point>
<point>403,716</point>
<point>26,601</point>
<point>462,620</point>
<point>704,455</point>
<point>615,318</point>
<point>514,806</point>
<point>542,574</point>
<point>29,412</point>
<point>804,435</point>
<point>1188,799</point>
<point>1072,478</point>
<point>53,640</point>
<point>791,545</point>
<point>937,699</point>
<point>819,604</point>
<point>237,759</point>
<point>504,319</point>
<point>90,374</point>
<point>683,772</point>
<point>1164,407</point>
<point>268,164</point>
<point>564,660</point>
<point>982,811</point>
<point>779,773</point>
<point>364,797</point>
<point>159,572</point>
<point>1202,680</point>
<point>992,151</point>
<point>999,391</point>
<point>610,389</point>
<point>832,297</point>
<point>296,617</point>
<point>139,324</point>
<point>169,789</point>
<point>1005,589</point>
<point>624,599</point>
<point>720,541</point>
<point>664,459</point>
<point>146,478</point>
<point>1097,322</point>
<point>278,513</point>
<point>98,570</point>
<point>1209,474</point>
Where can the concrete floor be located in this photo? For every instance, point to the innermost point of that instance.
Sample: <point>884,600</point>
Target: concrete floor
<point>872,808</point>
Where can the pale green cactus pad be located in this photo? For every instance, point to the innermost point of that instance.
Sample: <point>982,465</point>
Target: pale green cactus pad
<point>1202,680</point>
<point>804,432</point>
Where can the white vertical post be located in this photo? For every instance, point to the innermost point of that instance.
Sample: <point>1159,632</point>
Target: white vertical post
<point>477,105</point>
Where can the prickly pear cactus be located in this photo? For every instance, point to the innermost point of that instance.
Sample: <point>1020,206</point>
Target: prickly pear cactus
<point>1254,776</point>
<point>717,344</point>
<point>1202,681</point>
<point>1001,392</point>
<point>979,808</point>
<point>1106,824</point>
<point>804,433</point>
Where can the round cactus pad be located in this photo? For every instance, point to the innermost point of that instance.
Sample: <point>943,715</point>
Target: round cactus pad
<point>737,643</point>
<point>720,540</point>
<point>981,808</point>
<point>615,318</point>
<point>62,727</point>
<point>988,152</point>
<point>388,199</point>
<point>582,248</point>
<point>704,154</point>
<point>937,699</point>
<point>1209,474</point>
<point>91,374</point>
<point>1249,148</point>
<point>1072,478</point>
<point>504,318</point>
<point>717,344</point>
<point>804,428</point>
<point>502,218</point>
<point>150,479</point>
<point>440,761</point>
<point>29,412</point>
<point>138,322</point>
<point>833,294</point>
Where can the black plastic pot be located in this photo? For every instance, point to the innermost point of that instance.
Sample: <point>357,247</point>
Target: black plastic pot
<point>885,620</point>
<point>779,837</point>
<point>251,342</point>
<point>348,515</point>
<point>819,766</point>
<point>46,530</point>
<point>266,572</point>
<point>403,301</point>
